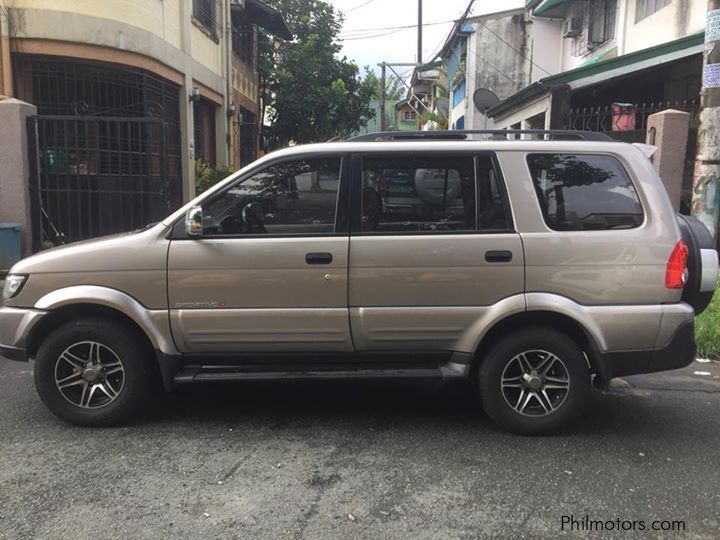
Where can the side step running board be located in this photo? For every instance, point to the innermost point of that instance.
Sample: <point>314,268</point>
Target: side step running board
<point>196,373</point>
<point>223,373</point>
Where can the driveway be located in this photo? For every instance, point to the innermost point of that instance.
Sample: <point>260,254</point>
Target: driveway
<point>338,460</point>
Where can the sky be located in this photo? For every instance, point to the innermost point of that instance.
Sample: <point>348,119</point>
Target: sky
<point>371,35</point>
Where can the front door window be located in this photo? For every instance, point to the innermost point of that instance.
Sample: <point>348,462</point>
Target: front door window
<point>291,198</point>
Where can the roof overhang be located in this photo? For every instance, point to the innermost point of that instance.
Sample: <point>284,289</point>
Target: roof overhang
<point>604,70</point>
<point>549,8</point>
<point>260,14</point>
<point>426,72</point>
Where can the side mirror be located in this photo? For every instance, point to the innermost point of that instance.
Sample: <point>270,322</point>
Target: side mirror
<point>194,221</point>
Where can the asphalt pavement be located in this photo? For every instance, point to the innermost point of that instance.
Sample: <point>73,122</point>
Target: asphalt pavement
<point>370,460</point>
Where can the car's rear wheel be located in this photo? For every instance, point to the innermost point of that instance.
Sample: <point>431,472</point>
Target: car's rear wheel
<point>534,381</point>
<point>92,372</point>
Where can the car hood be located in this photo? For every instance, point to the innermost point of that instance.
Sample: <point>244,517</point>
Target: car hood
<point>137,250</point>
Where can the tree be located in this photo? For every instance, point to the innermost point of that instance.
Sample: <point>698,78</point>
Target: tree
<point>394,87</point>
<point>310,93</point>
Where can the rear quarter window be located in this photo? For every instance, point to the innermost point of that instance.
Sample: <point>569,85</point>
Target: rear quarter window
<point>584,192</point>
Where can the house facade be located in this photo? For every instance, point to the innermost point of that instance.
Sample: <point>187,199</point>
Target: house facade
<point>129,95</point>
<point>601,61</point>
<point>607,66</point>
<point>489,53</point>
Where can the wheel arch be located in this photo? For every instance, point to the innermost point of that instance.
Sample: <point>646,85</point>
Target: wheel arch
<point>71,303</point>
<point>561,322</point>
<point>57,317</point>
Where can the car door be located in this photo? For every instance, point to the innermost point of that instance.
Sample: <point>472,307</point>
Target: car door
<point>432,250</point>
<point>269,272</point>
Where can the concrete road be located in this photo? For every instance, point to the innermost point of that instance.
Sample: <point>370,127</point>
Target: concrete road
<point>360,461</point>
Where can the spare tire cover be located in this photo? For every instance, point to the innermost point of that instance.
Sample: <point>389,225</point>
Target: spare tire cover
<point>697,237</point>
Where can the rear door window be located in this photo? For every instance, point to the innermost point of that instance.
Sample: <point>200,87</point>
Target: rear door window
<point>584,192</point>
<point>430,194</point>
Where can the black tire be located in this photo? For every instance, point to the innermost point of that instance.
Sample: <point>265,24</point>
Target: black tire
<point>131,384</point>
<point>503,355</point>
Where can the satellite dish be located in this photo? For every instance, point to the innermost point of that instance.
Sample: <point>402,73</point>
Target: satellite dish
<point>484,99</point>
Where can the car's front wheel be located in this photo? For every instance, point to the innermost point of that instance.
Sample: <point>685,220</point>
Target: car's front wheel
<point>534,381</point>
<point>92,372</point>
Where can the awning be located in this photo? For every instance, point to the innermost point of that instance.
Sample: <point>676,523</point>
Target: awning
<point>547,5</point>
<point>262,15</point>
<point>603,70</point>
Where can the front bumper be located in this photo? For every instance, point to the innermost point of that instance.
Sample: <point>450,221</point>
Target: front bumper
<point>15,325</point>
<point>677,353</point>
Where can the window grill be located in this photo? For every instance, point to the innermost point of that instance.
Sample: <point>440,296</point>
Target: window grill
<point>208,13</point>
<point>204,131</point>
<point>243,43</point>
<point>645,8</point>
<point>601,118</point>
<point>598,20</point>
<point>105,147</point>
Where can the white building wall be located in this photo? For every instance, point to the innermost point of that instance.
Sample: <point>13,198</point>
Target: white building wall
<point>468,108</point>
<point>555,54</point>
<point>544,47</point>
<point>679,19</point>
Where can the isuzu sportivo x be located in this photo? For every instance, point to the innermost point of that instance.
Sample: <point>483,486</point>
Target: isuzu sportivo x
<point>529,267</point>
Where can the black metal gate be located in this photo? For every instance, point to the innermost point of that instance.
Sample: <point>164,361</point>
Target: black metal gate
<point>93,176</point>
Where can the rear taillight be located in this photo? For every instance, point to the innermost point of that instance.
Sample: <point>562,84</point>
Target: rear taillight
<point>676,271</point>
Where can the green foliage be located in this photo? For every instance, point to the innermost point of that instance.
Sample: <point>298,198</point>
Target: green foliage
<point>459,74</point>
<point>372,81</point>
<point>314,94</point>
<point>442,91</point>
<point>707,330</point>
<point>207,176</point>
<point>440,119</point>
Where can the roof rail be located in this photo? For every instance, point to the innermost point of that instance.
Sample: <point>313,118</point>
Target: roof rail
<point>497,134</point>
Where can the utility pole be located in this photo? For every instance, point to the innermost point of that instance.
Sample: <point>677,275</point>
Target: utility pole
<point>706,178</point>
<point>383,127</point>
<point>420,27</point>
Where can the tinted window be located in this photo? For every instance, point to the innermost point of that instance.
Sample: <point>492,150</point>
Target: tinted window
<point>584,192</point>
<point>297,197</point>
<point>411,194</point>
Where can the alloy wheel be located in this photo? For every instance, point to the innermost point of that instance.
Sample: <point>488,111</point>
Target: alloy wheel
<point>535,383</point>
<point>89,374</point>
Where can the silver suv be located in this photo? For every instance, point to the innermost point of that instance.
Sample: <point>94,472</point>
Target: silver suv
<point>532,268</point>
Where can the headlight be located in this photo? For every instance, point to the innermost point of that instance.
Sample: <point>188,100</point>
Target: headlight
<point>13,284</point>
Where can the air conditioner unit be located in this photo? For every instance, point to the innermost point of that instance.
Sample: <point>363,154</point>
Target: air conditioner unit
<point>571,28</point>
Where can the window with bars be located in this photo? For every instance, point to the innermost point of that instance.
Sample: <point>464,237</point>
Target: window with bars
<point>207,13</point>
<point>602,21</point>
<point>243,43</point>
<point>204,132</point>
<point>645,8</point>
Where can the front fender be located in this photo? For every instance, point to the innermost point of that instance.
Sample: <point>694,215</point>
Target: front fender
<point>155,323</point>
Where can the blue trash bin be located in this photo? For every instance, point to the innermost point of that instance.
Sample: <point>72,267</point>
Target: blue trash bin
<point>9,244</point>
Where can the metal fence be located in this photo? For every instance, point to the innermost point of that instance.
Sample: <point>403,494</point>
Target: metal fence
<point>602,118</point>
<point>93,176</point>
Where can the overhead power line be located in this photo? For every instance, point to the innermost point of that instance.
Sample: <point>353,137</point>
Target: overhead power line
<point>359,6</point>
<point>372,36</point>
<point>362,30</point>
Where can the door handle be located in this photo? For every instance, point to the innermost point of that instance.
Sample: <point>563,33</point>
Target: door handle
<point>498,256</point>
<point>319,258</point>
